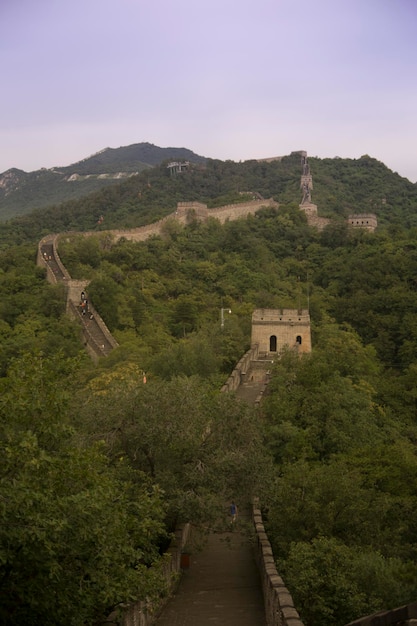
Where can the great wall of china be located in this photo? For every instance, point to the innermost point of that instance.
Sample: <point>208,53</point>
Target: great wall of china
<point>279,607</point>
<point>97,338</point>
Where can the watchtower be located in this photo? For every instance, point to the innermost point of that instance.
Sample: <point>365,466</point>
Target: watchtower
<point>368,221</point>
<point>177,167</point>
<point>275,329</point>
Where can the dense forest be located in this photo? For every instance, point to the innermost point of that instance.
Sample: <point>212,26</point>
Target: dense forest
<point>341,187</point>
<point>97,468</point>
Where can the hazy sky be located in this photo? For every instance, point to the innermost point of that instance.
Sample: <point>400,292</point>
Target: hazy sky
<point>228,79</point>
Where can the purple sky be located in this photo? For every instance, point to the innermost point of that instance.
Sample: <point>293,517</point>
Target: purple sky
<point>229,79</point>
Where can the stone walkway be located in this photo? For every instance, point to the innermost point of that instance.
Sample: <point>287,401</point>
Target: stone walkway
<point>221,587</point>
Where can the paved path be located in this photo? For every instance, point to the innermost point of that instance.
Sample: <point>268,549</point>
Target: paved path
<point>249,392</point>
<point>221,587</point>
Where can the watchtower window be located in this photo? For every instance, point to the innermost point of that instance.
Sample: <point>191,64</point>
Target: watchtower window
<point>298,339</point>
<point>273,343</point>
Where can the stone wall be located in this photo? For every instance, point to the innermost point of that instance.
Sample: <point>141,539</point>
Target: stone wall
<point>98,340</point>
<point>199,209</point>
<point>318,222</point>
<point>279,606</point>
<point>241,369</point>
<point>144,613</point>
<point>313,219</point>
<point>182,214</point>
<point>235,211</point>
<point>54,262</point>
<point>226,212</point>
<point>402,616</point>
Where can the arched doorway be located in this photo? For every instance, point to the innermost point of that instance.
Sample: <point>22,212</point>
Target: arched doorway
<point>273,343</point>
<point>299,340</point>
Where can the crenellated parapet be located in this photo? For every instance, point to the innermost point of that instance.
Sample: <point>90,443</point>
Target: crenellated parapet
<point>273,330</point>
<point>368,221</point>
<point>198,209</point>
<point>279,605</point>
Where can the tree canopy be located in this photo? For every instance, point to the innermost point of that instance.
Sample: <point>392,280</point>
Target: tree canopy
<point>97,466</point>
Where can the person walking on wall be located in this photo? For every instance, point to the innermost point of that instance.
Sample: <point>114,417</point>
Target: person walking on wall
<point>233,513</point>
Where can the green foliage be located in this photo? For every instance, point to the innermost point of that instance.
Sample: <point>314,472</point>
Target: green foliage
<point>77,534</point>
<point>324,403</point>
<point>45,187</point>
<point>366,186</point>
<point>339,516</point>
<point>200,446</point>
<point>341,187</point>
<point>336,584</point>
<point>84,446</point>
<point>181,281</point>
<point>103,293</point>
<point>32,312</point>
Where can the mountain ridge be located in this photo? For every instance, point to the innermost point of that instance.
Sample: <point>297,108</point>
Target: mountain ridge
<point>21,192</point>
<point>111,186</point>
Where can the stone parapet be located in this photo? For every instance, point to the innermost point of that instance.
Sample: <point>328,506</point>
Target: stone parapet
<point>241,369</point>
<point>402,616</point>
<point>199,209</point>
<point>235,211</point>
<point>144,613</point>
<point>318,222</point>
<point>279,606</point>
<point>368,221</point>
<point>309,208</point>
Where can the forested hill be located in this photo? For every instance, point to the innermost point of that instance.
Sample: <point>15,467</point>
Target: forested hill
<point>21,192</point>
<point>341,187</point>
<point>92,458</point>
<point>363,185</point>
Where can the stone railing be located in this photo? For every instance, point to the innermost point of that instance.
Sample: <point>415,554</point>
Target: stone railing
<point>279,606</point>
<point>58,259</point>
<point>55,270</point>
<point>234,211</point>
<point>241,369</point>
<point>199,209</point>
<point>97,338</point>
<point>98,343</point>
<point>143,613</point>
<point>403,616</point>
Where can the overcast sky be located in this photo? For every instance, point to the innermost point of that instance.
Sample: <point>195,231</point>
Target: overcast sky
<point>228,79</point>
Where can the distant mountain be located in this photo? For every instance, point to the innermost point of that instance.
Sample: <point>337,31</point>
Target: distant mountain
<point>21,192</point>
<point>106,191</point>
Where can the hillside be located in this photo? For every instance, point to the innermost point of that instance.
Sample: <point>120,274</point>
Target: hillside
<point>340,187</point>
<point>365,185</point>
<point>21,192</point>
<point>116,183</point>
<point>331,452</point>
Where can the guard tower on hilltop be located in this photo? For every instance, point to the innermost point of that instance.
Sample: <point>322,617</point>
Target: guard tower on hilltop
<point>178,167</point>
<point>276,329</point>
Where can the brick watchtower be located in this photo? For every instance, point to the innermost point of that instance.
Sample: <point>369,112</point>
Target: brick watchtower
<point>274,329</point>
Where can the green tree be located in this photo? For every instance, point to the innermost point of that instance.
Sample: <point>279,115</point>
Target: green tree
<point>103,292</point>
<point>77,535</point>
<point>200,446</point>
<point>333,584</point>
<point>327,397</point>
